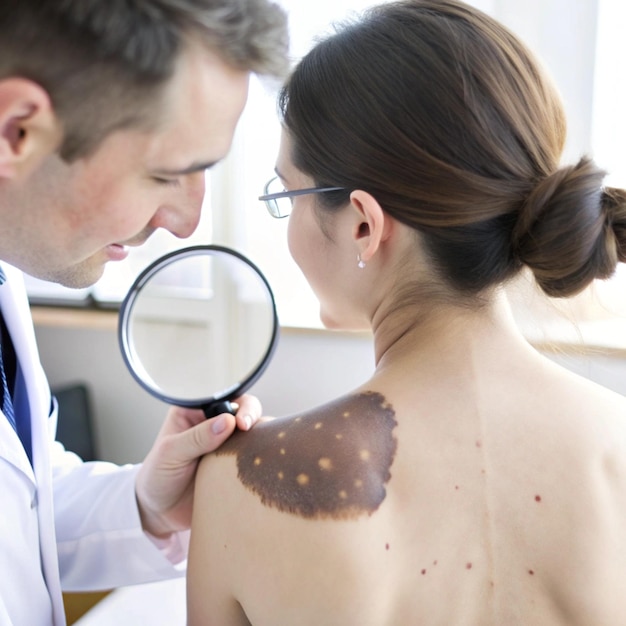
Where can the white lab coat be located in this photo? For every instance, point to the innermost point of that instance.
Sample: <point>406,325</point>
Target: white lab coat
<point>63,523</point>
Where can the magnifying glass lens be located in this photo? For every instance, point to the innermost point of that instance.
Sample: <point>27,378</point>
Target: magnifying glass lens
<point>198,326</point>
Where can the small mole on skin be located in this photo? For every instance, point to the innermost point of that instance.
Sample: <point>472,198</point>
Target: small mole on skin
<point>468,566</point>
<point>456,487</point>
<point>479,444</point>
<point>386,546</point>
<point>423,572</point>
<point>531,572</point>
<point>537,498</point>
<point>434,562</point>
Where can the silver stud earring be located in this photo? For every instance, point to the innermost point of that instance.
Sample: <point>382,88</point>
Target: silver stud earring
<point>360,263</point>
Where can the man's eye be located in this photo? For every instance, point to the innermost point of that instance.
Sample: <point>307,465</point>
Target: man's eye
<point>166,181</point>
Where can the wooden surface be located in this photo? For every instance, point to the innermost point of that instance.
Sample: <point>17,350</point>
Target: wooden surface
<point>68,317</point>
<point>77,604</point>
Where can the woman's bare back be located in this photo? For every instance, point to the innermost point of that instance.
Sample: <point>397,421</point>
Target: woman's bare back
<point>484,505</point>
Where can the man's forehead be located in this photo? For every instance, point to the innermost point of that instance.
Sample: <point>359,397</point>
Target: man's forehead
<point>202,106</point>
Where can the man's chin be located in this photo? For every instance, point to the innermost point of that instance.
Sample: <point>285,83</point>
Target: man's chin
<point>78,276</point>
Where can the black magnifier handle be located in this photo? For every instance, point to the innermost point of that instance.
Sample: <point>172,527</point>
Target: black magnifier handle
<point>217,408</point>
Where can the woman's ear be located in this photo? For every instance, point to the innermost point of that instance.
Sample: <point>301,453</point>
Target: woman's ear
<point>29,128</point>
<point>372,225</point>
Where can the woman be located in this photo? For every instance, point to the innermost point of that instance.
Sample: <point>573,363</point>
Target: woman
<point>470,480</point>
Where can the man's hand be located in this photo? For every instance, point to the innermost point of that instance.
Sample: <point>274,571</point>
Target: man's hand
<point>165,482</point>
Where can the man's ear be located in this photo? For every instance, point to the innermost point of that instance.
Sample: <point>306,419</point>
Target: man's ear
<point>372,225</point>
<point>29,128</point>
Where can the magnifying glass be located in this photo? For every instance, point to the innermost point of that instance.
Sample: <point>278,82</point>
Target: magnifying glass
<point>198,327</point>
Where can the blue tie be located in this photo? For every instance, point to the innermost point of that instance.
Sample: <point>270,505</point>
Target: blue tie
<point>5,354</point>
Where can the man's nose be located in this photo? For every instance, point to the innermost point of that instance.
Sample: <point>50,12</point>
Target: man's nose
<point>181,215</point>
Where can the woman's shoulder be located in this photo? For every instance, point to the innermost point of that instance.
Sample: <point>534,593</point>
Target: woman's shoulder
<point>329,462</point>
<point>585,401</point>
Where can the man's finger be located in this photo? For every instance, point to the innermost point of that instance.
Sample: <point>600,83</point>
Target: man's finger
<point>248,412</point>
<point>207,436</point>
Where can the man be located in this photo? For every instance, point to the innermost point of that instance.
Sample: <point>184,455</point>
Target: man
<point>110,113</point>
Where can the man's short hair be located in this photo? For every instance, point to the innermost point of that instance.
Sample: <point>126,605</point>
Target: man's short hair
<point>105,63</point>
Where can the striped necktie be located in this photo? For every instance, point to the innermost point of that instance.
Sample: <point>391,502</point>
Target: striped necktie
<point>6,353</point>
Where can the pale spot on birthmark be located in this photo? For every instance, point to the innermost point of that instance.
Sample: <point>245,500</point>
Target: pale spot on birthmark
<point>338,436</point>
<point>358,483</point>
<point>258,461</point>
<point>282,434</point>
<point>343,494</point>
<point>325,463</point>
<point>318,425</point>
<point>280,475</point>
<point>364,455</point>
<point>302,479</point>
<point>298,419</point>
<point>282,450</point>
<point>346,414</point>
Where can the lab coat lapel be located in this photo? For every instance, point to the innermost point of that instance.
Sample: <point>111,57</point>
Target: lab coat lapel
<point>10,446</point>
<point>17,316</point>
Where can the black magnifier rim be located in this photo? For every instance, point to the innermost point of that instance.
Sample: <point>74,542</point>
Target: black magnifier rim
<point>127,305</point>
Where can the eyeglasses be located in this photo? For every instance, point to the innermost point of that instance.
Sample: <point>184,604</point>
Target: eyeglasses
<point>279,202</point>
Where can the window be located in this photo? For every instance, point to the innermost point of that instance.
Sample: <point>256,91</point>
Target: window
<point>609,127</point>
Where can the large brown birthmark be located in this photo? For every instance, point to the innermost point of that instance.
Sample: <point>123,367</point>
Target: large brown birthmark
<point>332,462</point>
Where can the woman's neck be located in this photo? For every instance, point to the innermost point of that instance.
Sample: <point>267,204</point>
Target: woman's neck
<point>451,332</point>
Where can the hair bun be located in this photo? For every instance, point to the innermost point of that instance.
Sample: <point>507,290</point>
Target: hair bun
<point>614,203</point>
<point>566,230</point>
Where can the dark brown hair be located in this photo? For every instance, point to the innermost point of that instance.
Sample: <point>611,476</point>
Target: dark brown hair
<point>105,62</point>
<point>445,117</point>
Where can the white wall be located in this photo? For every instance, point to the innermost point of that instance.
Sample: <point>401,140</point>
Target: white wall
<point>562,33</point>
<point>309,368</point>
